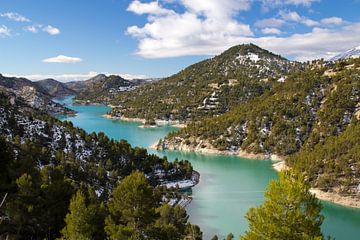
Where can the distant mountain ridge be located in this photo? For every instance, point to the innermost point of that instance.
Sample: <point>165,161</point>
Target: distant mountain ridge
<point>35,95</point>
<point>55,88</point>
<point>352,53</point>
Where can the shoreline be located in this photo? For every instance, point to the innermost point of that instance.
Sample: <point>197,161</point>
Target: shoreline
<point>332,197</point>
<point>158,122</point>
<point>212,151</point>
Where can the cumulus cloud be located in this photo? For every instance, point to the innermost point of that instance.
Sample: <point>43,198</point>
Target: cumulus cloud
<point>274,31</point>
<point>292,16</point>
<point>4,31</point>
<point>332,21</point>
<point>62,59</point>
<point>15,17</point>
<point>202,25</point>
<point>147,8</point>
<point>319,43</point>
<point>270,22</point>
<point>210,27</point>
<point>280,3</point>
<point>51,30</point>
<point>75,76</point>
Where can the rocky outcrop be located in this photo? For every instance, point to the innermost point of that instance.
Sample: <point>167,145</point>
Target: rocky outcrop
<point>33,95</point>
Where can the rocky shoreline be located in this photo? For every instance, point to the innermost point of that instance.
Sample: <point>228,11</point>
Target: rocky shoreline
<point>278,165</point>
<point>158,122</point>
<point>346,201</point>
<point>199,148</point>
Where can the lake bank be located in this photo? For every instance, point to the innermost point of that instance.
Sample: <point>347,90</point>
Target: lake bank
<point>158,122</point>
<point>333,197</point>
<point>205,148</point>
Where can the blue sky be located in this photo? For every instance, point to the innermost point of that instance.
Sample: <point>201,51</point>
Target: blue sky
<point>75,39</point>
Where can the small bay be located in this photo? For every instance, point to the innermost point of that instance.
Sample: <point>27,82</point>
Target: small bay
<point>228,186</point>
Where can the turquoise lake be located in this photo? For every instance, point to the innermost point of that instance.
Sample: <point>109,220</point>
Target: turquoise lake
<point>228,186</point>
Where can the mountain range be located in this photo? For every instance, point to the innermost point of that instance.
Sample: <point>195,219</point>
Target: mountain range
<point>352,53</point>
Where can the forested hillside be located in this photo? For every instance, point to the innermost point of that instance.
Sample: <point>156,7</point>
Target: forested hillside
<point>45,161</point>
<point>100,89</point>
<point>316,112</point>
<point>208,88</point>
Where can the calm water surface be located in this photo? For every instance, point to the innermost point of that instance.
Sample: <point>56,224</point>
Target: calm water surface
<point>228,187</point>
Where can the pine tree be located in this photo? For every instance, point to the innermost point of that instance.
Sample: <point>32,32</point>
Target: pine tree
<point>230,236</point>
<point>215,237</point>
<point>172,222</point>
<point>79,220</point>
<point>289,211</point>
<point>132,209</point>
<point>193,232</point>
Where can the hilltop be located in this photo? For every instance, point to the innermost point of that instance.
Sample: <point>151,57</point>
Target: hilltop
<point>208,88</point>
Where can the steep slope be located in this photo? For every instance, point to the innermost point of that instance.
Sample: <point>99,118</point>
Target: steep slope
<point>54,88</point>
<point>313,109</point>
<point>352,53</point>
<point>333,166</point>
<point>45,161</point>
<point>90,158</point>
<point>34,95</point>
<point>208,88</point>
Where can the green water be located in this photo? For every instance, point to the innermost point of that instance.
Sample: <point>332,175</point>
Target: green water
<point>228,187</point>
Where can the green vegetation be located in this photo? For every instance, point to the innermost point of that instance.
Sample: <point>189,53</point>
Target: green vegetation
<point>289,211</point>
<point>101,89</point>
<point>333,165</point>
<point>208,88</point>
<point>58,180</point>
<point>136,213</point>
<point>312,112</point>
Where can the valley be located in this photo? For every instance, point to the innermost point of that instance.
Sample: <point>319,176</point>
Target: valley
<point>222,115</point>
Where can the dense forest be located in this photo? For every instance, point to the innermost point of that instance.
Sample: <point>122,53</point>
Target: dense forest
<point>47,165</point>
<point>310,112</point>
<point>207,88</point>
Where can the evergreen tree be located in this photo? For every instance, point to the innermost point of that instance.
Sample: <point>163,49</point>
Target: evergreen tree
<point>289,211</point>
<point>215,237</point>
<point>193,232</point>
<point>132,209</point>
<point>230,236</point>
<point>172,222</point>
<point>79,220</point>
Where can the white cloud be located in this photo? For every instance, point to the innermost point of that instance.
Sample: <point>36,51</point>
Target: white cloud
<point>4,31</point>
<point>15,17</point>
<point>292,16</point>
<point>33,28</point>
<point>203,24</point>
<point>309,22</point>
<point>279,3</point>
<point>62,59</point>
<point>274,31</point>
<point>51,30</point>
<point>74,76</point>
<point>147,8</point>
<point>332,21</point>
<point>270,22</point>
<point>319,43</point>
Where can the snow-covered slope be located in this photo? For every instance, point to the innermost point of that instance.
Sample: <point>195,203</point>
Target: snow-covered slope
<point>352,53</point>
